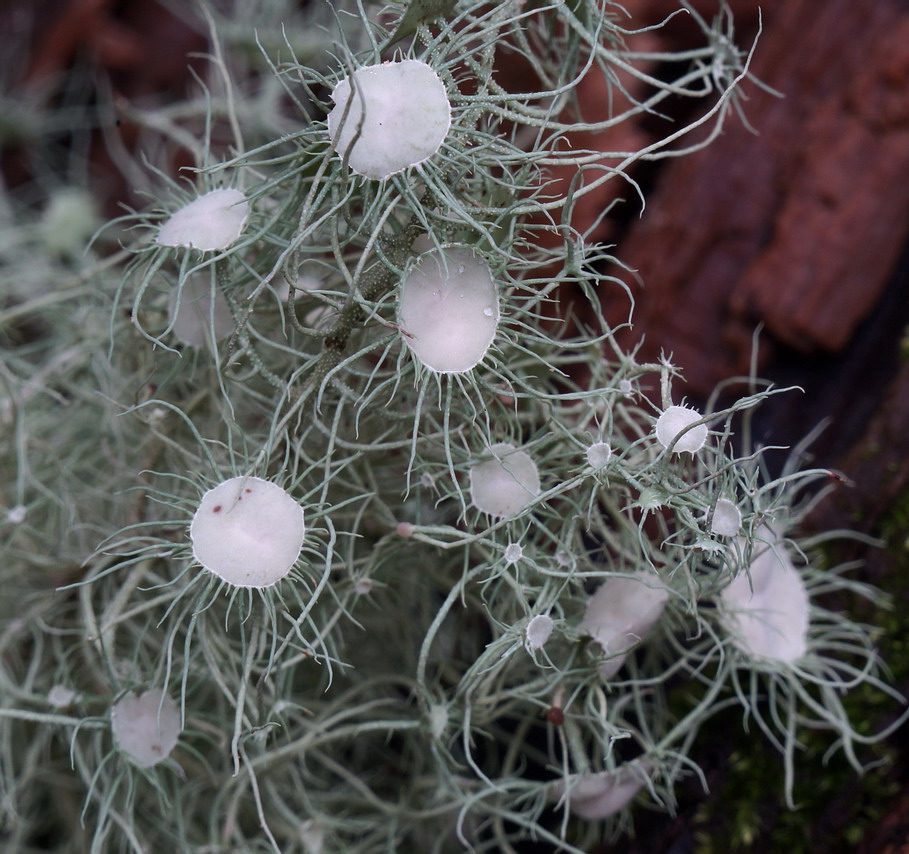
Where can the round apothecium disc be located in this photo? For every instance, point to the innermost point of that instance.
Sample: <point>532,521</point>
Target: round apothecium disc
<point>193,318</point>
<point>146,726</point>
<point>449,309</point>
<point>673,421</point>
<point>213,221</point>
<point>505,485</point>
<point>247,531</point>
<point>767,609</point>
<point>727,518</point>
<point>392,116</point>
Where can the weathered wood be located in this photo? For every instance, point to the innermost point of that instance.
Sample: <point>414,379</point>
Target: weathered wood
<point>798,226</point>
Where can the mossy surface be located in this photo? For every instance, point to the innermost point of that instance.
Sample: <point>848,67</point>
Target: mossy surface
<point>837,808</point>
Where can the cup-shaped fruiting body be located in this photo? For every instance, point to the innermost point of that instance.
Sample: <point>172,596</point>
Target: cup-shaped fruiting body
<point>727,518</point>
<point>146,726</point>
<point>248,532</point>
<point>438,720</point>
<point>17,515</point>
<point>673,421</point>
<point>598,455</point>
<point>388,117</point>
<point>513,553</point>
<point>597,796</point>
<point>312,835</point>
<point>621,613</point>
<point>213,221</point>
<point>60,696</point>
<point>538,631</point>
<point>448,309</point>
<point>766,610</point>
<point>504,485</point>
<point>193,318</point>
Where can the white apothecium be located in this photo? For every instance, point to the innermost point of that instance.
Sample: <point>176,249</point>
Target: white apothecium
<point>598,455</point>
<point>504,485</point>
<point>248,532</point>
<point>621,612</point>
<point>766,609</point>
<point>673,421</point>
<point>199,312</point>
<point>538,630</point>
<point>388,117</point>
<point>146,726</point>
<point>448,309</point>
<point>597,796</point>
<point>213,221</point>
<point>727,518</point>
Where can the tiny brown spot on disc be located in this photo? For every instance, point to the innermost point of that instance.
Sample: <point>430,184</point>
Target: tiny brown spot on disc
<point>247,489</point>
<point>216,508</point>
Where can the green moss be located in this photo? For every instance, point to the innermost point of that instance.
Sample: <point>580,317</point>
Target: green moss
<point>904,345</point>
<point>746,813</point>
<point>837,807</point>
